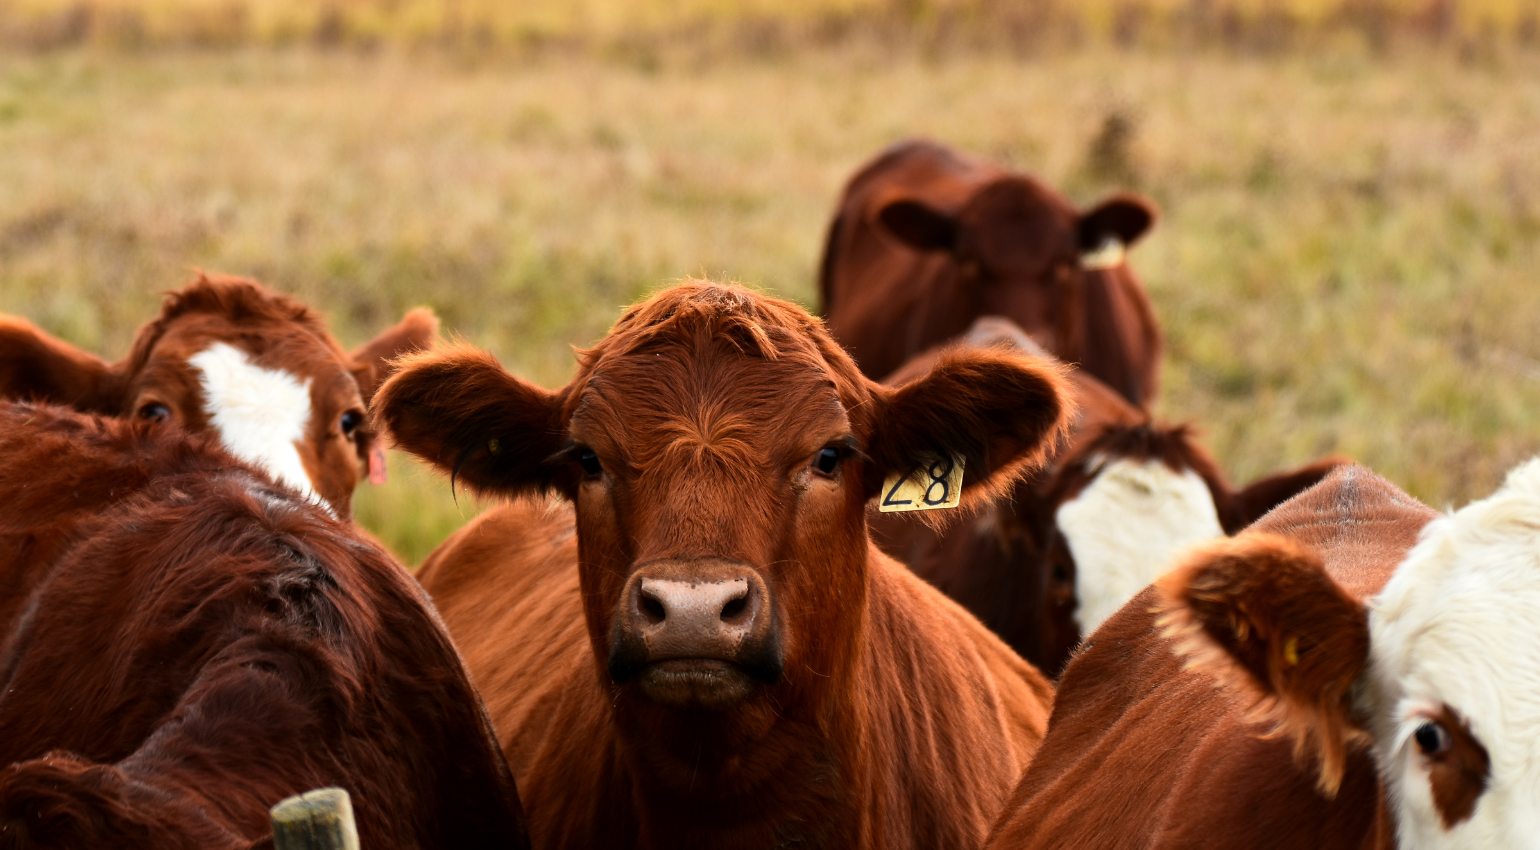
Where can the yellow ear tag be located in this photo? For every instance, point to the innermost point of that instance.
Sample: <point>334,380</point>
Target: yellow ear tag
<point>934,484</point>
<point>1108,255</point>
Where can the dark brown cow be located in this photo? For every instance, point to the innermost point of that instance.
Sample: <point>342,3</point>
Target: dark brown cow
<point>228,356</point>
<point>926,239</point>
<point>1316,682</point>
<point>1089,530</point>
<point>705,650</point>
<point>183,644</point>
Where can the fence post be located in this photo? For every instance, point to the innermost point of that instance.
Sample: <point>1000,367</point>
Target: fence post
<point>315,820</point>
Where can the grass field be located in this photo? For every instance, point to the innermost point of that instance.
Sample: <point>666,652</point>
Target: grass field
<point>1347,260</point>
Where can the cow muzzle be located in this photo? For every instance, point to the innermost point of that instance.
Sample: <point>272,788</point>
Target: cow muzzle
<point>696,634</point>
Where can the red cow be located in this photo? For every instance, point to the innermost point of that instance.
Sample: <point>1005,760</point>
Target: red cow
<point>704,649</point>
<point>230,357</point>
<point>926,239</point>
<point>1088,531</point>
<point>183,644</point>
<point>1316,682</point>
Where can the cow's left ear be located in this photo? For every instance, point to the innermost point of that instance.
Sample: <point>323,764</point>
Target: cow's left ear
<point>372,361</point>
<point>1259,613</point>
<point>998,410</point>
<point>1124,217</point>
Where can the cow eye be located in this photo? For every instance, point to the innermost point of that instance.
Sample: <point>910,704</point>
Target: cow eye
<point>827,460</point>
<point>1432,738</point>
<point>350,422</point>
<point>589,461</point>
<point>155,412</point>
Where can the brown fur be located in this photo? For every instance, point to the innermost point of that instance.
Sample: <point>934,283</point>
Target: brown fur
<point>275,330</point>
<point>898,721</point>
<point>1011,567</point>
<point>925,240</point>
<point>1458,777</point>
<point>1143,751</point>
<point>183,645</point>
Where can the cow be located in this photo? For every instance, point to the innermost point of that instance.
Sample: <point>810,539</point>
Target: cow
<point>691,641</point>
<point>1354,671</point>
<point>184,643</point>
<point>1085,533</point>
<point>229,356</point>
<point>926,239</point>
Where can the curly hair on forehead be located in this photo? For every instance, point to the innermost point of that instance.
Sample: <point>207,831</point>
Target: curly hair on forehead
<point>756,324</point>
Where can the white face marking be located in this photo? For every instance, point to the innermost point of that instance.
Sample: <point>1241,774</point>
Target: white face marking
<point>1125,526</point>
<point>260,413</point>
<point>1458,624</point>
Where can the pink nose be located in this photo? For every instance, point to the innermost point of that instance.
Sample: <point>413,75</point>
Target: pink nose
<point>702,610</point>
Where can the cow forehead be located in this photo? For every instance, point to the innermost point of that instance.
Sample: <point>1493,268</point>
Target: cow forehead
<point>1124,526</point>
<point>279,345</point>
<point>261,414</point>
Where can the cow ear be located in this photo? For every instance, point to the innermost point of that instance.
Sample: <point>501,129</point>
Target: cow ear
<point>36,366</point>
<point>372,361</point>
<point>1124,217</point>
<point>1260,614</point>
<point>457,409</point>
<point>921,227</point>
<point>1270,491</point>
<point>998,410</point>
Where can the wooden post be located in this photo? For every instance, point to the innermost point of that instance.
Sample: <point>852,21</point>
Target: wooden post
<point>315,820</point>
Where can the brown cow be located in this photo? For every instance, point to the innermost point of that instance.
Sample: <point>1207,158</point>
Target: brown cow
<point>926,239</point>
<point>227,355</point>
<point>1089,530</point>
<point>183,644</point>
<point>1316,682</point>
<point>705,650</point>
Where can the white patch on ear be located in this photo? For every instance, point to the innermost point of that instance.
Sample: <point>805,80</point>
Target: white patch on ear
<point>260,413</point>
<point>1125,526</point>
<point>1458,624</point>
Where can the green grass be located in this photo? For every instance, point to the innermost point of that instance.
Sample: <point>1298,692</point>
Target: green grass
<point>1346,262</point>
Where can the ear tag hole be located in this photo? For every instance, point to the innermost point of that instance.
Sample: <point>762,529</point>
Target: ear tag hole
<point>1108,255</point>
<point>932,484</point>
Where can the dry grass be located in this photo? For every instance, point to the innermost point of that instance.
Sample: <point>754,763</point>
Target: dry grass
<point>1345,264</point>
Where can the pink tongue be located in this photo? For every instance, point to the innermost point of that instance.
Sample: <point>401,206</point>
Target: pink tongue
<point>376,465</point>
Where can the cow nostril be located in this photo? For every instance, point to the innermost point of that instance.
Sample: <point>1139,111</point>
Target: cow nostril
<point>735,608</point>
<point>653,610</point>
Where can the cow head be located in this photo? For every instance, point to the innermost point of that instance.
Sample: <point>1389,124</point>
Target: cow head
<point>228,356</point>
<point>1440,672</point>
<point>1024,252</point>
<point>720,448</point>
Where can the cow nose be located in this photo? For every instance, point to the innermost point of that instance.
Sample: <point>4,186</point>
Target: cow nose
<point>696,612</point>
<point>720,607</point>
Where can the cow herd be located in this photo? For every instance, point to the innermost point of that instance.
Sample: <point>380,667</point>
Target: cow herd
<point>924,573</point>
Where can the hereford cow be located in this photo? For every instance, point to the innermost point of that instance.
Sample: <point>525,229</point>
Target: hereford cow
<point>1090,529</point>
<point>926,239</point>
<point>183,644</point>
<point>1316,682</point>
<point>228,356</point>
<point>704,649</point>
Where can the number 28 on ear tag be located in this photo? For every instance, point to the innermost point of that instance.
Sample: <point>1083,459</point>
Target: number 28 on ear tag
<point>936,483</point>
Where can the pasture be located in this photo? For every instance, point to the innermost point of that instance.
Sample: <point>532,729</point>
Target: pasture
<point>1346,262</point>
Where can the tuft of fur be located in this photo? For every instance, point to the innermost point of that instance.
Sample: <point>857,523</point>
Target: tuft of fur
<point>1259,613</point>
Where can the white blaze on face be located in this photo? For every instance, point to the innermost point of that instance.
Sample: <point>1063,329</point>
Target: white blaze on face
<point>260,413</point>
<point>1123,528</point>
<point>1458,625</point>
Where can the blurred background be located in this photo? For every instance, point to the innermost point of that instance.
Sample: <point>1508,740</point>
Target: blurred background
<point>1351,188</point>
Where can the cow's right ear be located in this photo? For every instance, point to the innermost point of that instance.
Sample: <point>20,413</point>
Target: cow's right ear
<point>35,366</point>
<point>998,410</point>
<point>459,410</point>
<point>918,225</point>
<point>1260,614</point>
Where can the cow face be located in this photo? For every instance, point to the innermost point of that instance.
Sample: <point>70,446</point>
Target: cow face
<point>720,449</point>
<point>1024,252</point>
<point>1440,672</point>
<point>229,357</point>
